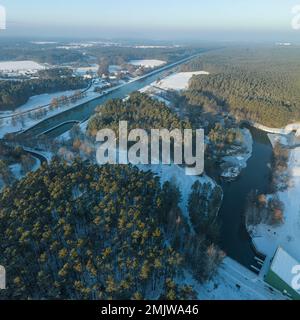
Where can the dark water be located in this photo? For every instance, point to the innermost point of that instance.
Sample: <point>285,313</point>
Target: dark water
<point>235,240</point>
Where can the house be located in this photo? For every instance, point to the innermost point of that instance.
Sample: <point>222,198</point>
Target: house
<point>283,273</point>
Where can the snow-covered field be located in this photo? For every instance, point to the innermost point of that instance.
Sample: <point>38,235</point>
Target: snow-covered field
<point>7,125</point>
<point>75,46</point>
<point>178,81</point>
<point>147,63</point>
<point>43,42</point>
<point>17,66</point>
<point>267,238</point>
<point>40,100</point>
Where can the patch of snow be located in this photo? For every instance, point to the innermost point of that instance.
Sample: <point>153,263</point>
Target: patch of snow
<point>278,138</point>
<point>235,163</point>
<point>25,65</point>
<point>43,42</point>
<point>285,130</point>
<point>147,63</point>
<point>178,81</point>
<point>156,94</point>
<point>156,47</point>
<point>177,175</point>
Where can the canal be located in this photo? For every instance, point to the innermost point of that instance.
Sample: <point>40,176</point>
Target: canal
<point>85,110</point>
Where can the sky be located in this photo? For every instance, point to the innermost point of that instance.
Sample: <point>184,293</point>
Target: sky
<point>158,19</point>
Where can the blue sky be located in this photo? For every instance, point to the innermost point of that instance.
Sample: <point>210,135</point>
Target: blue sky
<point>151,17</point>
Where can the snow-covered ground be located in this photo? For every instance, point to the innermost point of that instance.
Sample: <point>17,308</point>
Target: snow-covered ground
<point>285,130</point>
<point>39,101</point>
<point>8,126</point>
<point>177,175</point>
<point>178,81</point>
<point>239,161</point>
<point>156,47</point>
<point>147,63</point>
<point>17,66</point>
<point>268,238</point>
<point>156,94</point>
<point>43,42</point>
<point>16,169</point>
<point>233,282</point>
<point>75,46</point>
<point>287,235</point>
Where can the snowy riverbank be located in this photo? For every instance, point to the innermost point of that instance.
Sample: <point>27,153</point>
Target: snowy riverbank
<point>267,238</point>
<point>234,164</point>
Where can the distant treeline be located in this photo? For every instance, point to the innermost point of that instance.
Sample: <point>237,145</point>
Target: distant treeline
<point>261,84</point>
<point>125,54</point>
<point>52,56</point>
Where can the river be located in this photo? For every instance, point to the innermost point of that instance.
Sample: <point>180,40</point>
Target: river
<point>235,240</point>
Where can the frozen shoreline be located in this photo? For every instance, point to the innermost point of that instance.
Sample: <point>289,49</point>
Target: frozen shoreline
<point>267,238</point>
